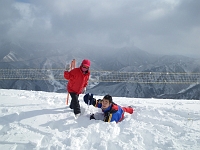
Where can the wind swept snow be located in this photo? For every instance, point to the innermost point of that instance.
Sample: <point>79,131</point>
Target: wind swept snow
<point>41,120</point>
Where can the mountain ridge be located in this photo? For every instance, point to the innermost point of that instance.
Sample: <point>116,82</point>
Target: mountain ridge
<point>125,59</point>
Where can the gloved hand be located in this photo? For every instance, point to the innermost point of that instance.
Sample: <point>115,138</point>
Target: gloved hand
<point>92,117</point>
<point>84,90</point>
<point>67,68</point>
<point>88,99</point>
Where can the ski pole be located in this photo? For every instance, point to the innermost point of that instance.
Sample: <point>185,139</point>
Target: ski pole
<point>88,103</point>
<point>67,100</point>
<point>72,66</point>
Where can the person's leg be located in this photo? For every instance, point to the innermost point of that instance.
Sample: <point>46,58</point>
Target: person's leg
<point>75,103</point>
<point>72,101</point>
<point>128,109</point>
<point>70,106</point>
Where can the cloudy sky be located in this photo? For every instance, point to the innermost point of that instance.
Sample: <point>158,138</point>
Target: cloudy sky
<point>155,26</point>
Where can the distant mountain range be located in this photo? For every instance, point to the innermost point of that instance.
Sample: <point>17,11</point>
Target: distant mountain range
<point>127,59</point>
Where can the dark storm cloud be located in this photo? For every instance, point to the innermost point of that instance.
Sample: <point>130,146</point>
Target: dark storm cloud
<point>157,26</point>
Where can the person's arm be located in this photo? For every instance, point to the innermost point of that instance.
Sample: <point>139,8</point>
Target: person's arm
<point>108,117</point>
<point>97,116</point>
<point>66,72</point>
<point>89,100</point>
<point>84,90</point>
<point>66,75</point>
<point>98,103</point>
<point>86,81</point>
<point>70,74</point>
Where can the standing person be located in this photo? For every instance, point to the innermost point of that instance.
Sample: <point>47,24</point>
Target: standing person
<point>77,82</point>
<point>112,111</point>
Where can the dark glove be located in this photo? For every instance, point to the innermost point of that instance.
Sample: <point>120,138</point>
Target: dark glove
<point>92,117</point>
<point>89,100</point>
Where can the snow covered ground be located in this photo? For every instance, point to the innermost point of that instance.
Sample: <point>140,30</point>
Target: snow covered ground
<point>42,121</point>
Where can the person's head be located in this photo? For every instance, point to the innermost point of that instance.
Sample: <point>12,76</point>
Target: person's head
<point>85,65</point>
<point>107,101</point>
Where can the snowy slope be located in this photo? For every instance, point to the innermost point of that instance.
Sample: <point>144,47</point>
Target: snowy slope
<point>41,120</point>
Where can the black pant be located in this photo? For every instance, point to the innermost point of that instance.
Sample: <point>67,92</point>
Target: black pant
<point>75,103</point>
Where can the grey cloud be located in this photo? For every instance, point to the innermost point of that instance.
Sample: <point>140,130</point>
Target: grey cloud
<point>167,26</point>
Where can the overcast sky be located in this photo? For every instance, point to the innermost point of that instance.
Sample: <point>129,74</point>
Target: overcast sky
<point>155,26</point>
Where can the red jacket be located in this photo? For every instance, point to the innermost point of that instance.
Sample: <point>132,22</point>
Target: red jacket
<point>77,80</point>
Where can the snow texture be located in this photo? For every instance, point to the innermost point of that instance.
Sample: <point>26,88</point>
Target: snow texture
<point>42,121</point>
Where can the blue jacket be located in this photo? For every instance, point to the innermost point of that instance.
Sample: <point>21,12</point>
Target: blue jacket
<point>112,113</point>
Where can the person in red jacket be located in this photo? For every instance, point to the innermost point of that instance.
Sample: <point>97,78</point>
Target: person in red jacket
<point>77,82</point>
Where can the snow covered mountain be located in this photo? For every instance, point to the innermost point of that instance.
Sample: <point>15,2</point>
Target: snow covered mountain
<point>193,93</point>
<point>50,55</point>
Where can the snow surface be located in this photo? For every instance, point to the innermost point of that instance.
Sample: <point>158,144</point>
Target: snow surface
<point>41,120</point>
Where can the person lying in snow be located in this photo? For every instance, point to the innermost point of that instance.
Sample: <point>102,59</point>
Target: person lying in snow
<point>112,111</point>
